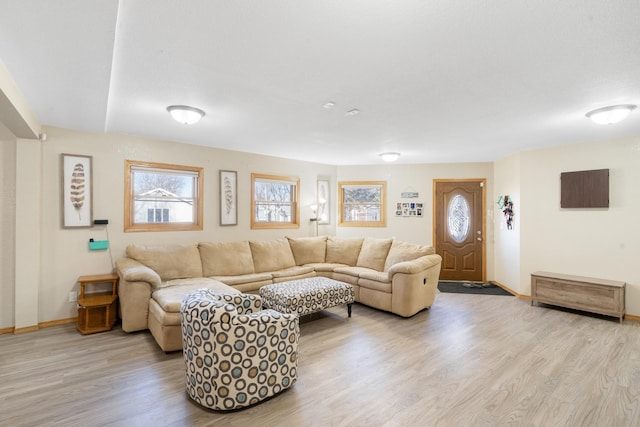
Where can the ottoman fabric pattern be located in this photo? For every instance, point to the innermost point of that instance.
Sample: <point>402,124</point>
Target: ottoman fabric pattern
<point>306,296</point>
<point>235,353</point>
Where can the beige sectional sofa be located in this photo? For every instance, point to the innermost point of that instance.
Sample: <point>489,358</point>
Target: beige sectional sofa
<point>387,274</point>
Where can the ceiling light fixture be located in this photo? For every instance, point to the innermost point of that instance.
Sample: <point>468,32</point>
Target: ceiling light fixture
<point>185,114</point>
<point>329,105</point>
<point>353,112</point>
<point>390,157</point>
<point>610,115</point>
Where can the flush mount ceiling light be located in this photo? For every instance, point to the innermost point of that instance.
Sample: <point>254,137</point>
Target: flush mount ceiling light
<point>353,112</point>
<point>185,114</point>
<point>610,115</point>
<point>390,157</point>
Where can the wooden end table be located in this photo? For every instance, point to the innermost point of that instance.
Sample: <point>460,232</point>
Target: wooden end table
<point>97,310</point>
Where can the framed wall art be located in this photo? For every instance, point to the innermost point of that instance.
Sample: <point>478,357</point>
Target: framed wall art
<point>228,197</point>
<point>323,202</point>
<point>77,191</point>
<point>410,209</point>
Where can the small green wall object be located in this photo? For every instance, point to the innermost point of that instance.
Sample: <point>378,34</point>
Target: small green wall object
<point>98,245</point>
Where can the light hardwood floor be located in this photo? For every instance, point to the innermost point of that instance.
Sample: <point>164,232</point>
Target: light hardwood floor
<point>472,360</point>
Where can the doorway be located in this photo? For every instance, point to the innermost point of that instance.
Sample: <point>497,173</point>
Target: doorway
<point>460,227</point>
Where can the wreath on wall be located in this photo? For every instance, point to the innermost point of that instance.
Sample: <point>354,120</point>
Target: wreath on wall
<point>506,206</point>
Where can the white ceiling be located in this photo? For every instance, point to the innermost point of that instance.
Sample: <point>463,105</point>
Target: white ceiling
<point>436,80</point>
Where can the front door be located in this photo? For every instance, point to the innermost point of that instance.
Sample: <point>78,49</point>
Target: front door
<point>459,226</point>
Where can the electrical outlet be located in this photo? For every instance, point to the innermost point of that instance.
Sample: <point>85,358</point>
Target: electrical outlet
<point>73,296</point>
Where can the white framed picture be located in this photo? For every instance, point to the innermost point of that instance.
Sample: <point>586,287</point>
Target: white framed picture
<point>228,197</point>
<point>77,191</point>
<point>323,202</point>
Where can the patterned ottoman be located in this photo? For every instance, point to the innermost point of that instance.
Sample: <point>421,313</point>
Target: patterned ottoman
<point>307,296</point>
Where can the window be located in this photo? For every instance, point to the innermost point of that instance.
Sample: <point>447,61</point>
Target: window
<point>157,215</point>
<point>362,203</point>
<point>162,197</point>
<point>274,201</point>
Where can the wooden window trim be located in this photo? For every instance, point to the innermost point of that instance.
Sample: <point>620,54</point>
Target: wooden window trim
<point>295,206</point>
<point>129,224</point>
<point>383,204</point>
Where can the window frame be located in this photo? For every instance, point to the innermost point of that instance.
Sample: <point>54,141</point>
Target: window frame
<point>129,197</point>
<point>295,205</point>
<point>382,222</point>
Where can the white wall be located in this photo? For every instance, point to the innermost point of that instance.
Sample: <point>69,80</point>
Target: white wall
<point>64,252</point>
<point>602,243</point>
<point>507,242</point>
<point>7,229</point>
<point>418,178</point>
<point>28,237</point>
<point>597,242</point>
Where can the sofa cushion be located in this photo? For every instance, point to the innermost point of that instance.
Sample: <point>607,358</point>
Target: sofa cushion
<point>377,276</point>
<point>244,278</point>
<point>374,253</point>
<point>353,271</point>
<point>343,251</point>
<point>307,250</point>
<point>226,258</point>
<point>375,285</point>
<point>404,251</point>
<point>271,255</point>
<point>170,297</point>
<point>169,261</point>
<point>293,271</point>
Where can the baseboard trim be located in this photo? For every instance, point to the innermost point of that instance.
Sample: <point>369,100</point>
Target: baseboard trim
<point>13,330</point>
<point>511,291</point>
<point>25,329</point>
<point>58,322</point>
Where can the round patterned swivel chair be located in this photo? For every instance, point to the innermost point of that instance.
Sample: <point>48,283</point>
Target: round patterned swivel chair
<point>236,354</point>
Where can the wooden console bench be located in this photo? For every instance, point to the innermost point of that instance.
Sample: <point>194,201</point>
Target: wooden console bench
<point>581,293</point>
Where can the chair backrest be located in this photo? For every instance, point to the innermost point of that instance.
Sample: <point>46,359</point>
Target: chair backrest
<point>205,307</point>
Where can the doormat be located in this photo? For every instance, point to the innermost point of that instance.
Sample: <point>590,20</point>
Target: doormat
<point>471,288</point>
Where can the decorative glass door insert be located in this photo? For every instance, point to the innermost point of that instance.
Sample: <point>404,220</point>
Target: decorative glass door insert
<point>458,218</point>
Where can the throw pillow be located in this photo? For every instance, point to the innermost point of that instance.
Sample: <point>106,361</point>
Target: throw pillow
<point>374,253</point>
<point>307,250</point>
<point>226,258</point>
<point>404,251</point>
<point>271,255</point>
<point>343,251</point>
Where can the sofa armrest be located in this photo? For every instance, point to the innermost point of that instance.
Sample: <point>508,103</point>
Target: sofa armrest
<point>131,270</point>
<point>416,265</point>
<point>414,284</point>
<point>137,281</point>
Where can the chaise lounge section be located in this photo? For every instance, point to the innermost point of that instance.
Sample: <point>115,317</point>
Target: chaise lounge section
<point>386,274</point>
